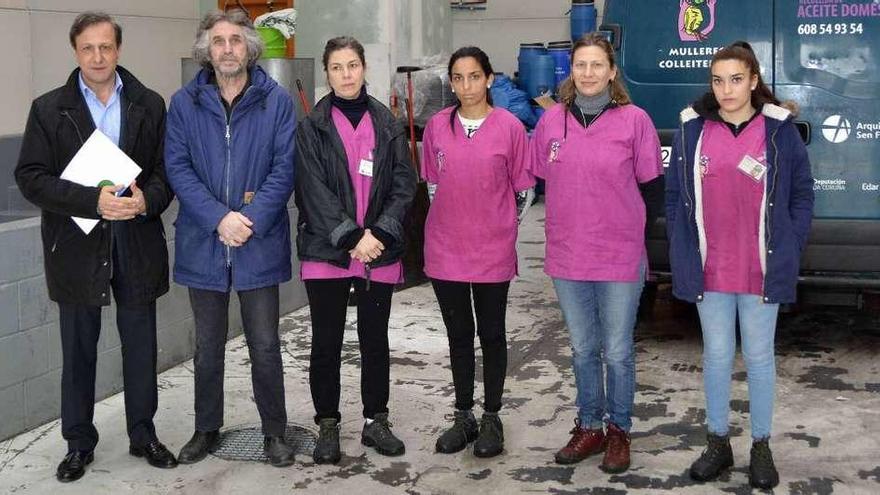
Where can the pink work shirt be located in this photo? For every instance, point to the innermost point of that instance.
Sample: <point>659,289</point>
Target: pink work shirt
<point>595,223</point>
<point>470,232</point>
<point>359,144</point>
<point>732,207</point>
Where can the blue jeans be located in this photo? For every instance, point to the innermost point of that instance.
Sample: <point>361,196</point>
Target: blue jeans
<point>757,328</point>
<point>601,317</point>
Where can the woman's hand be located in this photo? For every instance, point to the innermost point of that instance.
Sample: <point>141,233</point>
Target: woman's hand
<point>368,248</point>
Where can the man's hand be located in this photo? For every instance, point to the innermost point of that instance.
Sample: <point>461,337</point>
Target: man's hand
<point>235,229</point>
<point>111,207</point>
<point>368,248</point>
<point>138,196</point>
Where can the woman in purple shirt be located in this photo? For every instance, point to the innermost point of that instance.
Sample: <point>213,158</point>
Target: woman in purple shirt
<point>739,202</point>
<point>474,157</point>
<point>354,185</point>
<point>596,150</point>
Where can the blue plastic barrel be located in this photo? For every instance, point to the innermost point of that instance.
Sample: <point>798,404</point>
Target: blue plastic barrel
<point>527,54</point>
<point>583,18</point>
<point>542,76</point>
<point>561,53</point>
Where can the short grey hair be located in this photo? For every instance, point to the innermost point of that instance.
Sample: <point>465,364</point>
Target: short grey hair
<point>202,47</point>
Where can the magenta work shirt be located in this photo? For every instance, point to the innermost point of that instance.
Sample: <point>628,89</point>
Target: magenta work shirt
<point>732,207</point>
<point>470,232</point>
<point>595,215</point>
<point>359,145</point>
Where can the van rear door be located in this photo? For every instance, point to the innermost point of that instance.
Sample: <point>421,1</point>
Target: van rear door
<point>828,61</point>
<point>666,47</point>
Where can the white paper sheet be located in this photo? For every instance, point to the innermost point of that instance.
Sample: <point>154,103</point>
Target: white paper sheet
<point>96,161</point>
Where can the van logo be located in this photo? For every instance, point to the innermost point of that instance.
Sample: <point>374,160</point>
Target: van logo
<point>696,19</point>
<point>836,129</point>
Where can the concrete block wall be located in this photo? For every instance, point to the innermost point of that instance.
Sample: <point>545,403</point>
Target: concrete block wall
<point>30,343</point>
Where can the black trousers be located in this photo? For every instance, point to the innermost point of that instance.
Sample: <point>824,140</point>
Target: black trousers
<point>328,300</point>
<point>80,330</point>
<point>490,305</point>
<point>259,315</point>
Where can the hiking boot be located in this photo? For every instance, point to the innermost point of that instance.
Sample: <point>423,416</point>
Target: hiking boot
<point>583,443</point>
<point>716,457</point>
<point>490,441</point>
<point>327,446</point>
<point>464,430</point>
<point>762,471</point>
<point>378,435</point>
<point>616,458</point>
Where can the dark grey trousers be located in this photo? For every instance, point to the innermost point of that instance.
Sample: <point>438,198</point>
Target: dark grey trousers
<point>259,315</point>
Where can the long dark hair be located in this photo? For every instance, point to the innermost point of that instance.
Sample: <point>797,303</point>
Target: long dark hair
<point>482,59</point>
<point>742,51</point>
<point>568,90</point>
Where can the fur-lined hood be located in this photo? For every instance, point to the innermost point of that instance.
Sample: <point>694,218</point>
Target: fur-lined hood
<point>707,107</point>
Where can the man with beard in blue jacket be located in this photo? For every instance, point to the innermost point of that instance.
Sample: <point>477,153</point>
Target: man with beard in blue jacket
<point>229,158</point>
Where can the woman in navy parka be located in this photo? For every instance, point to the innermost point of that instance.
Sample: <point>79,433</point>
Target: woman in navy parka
<point>739,200</point>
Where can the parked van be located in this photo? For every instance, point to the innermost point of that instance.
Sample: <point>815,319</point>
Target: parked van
<point>822,54</point>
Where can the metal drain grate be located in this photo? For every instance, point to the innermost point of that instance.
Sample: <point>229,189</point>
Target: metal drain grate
<point>245,442</point>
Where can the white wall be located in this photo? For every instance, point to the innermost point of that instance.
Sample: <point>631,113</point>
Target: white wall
<point>38,56</point>
<point>505,24</point>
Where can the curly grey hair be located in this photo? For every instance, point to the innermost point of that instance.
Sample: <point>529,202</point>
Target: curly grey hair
<point>202,47</point>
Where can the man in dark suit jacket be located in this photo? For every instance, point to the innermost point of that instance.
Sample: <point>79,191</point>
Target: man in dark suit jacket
<point>125,252</point>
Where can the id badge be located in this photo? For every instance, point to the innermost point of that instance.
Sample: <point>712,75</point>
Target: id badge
<point>554,151</point>
<point>365,167</point>
<point>752,168</point>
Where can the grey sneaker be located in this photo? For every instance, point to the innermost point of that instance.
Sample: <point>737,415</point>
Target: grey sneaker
<point>378,435</point>
<point>327,447</point>
<point>463,431</point>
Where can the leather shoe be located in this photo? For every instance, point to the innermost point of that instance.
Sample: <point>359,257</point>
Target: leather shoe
<point>199,446</point>
<point>617,455</point>
<point>280,454</point>
<point>156,453</point>
<point>73,467</point>
<point>584,443</point>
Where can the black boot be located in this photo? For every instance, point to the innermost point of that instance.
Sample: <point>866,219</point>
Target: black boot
<point>717,457</point>
<point>463,431</point>
<point>199,446</point>
<point>327,447</point>
<point>280,454</point>
<point>378,435</point>
<point>490,441</point>
<point>762,471</point>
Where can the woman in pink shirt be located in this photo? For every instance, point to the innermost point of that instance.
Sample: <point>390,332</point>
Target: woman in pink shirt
<point>739,203</point>
<point>596,150</point>
<point>474,157</point>
<point>354,185</point>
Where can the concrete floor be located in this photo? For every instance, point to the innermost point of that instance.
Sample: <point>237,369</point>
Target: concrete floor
<point>825,431</point>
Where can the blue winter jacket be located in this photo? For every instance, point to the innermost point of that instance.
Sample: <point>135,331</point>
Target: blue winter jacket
<point>786,211</point>
<point>215,167</point>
